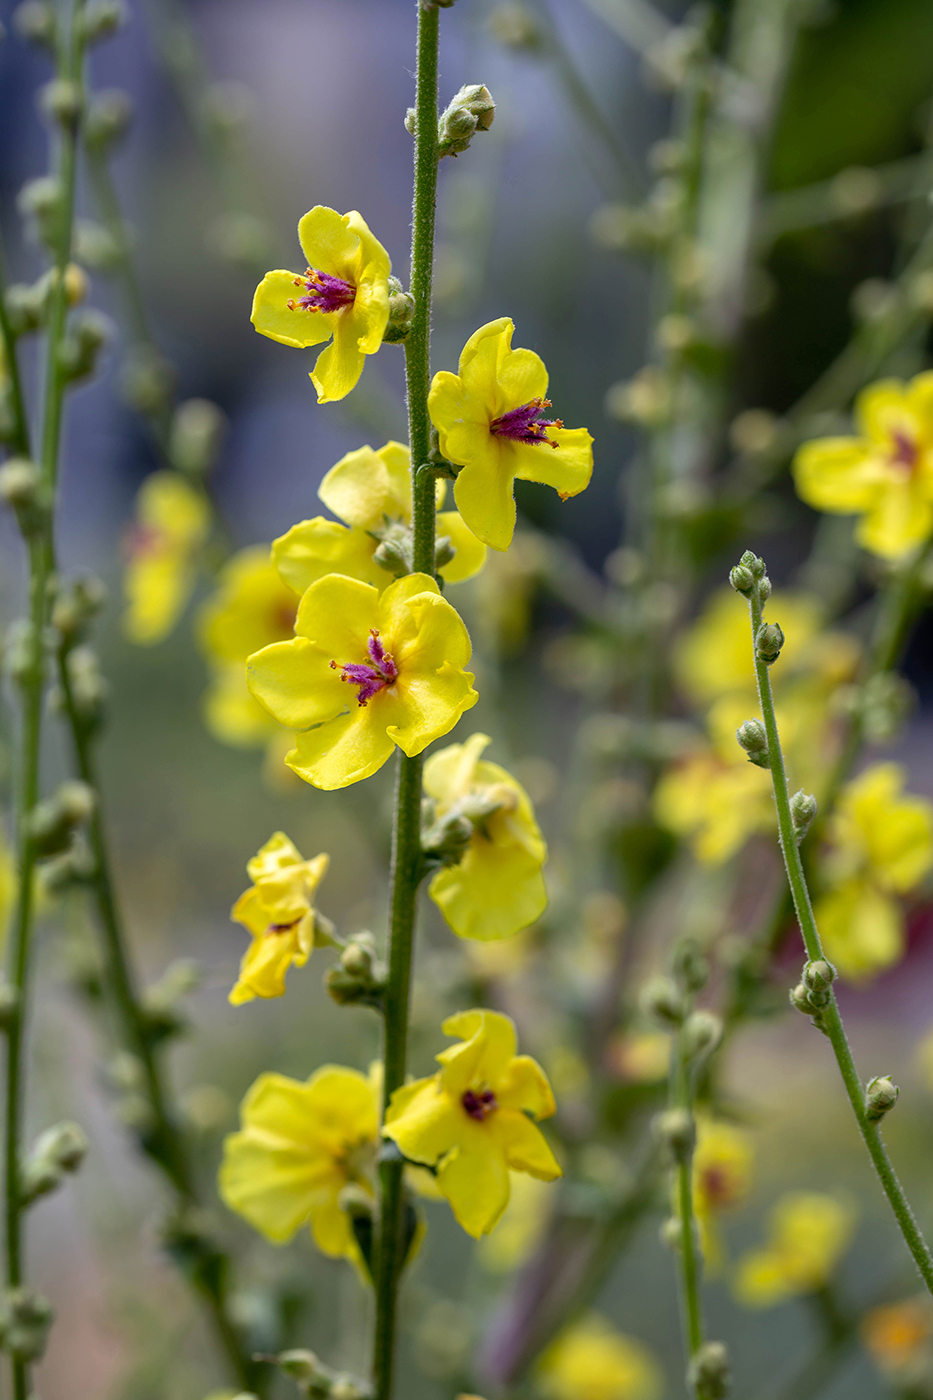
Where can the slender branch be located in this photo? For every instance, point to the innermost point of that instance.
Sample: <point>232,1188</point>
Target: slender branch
<point>688,1250</point>
<point>830,1018</point>
<point>406,838</point>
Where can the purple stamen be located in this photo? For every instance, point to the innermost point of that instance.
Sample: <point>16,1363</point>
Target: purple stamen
<point>479,1106</point>
<point>282,928</point>
<point>524,424</point>
<point>906,451</point>
<point>371,678</point>
<point>323,292</point>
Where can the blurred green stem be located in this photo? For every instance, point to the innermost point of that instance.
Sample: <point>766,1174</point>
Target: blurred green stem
<point>406,835</point>
<point>689,1259</point>
<point>830,1016</point>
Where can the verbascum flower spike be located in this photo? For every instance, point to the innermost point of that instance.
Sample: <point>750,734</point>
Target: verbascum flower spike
<point>471,1121</point>
<point>365,672</point>
<point>299,1146</point>
<point>343,293</point>
<point>490,423</point>
<point>278,911</point>
<point>496,888</point>
<point>371,492</point>
<point>885,474</point>
<point>171,525</point>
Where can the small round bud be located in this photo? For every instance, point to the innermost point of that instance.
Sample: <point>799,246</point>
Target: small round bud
<point>411,121</point>
<point>880,1097</point>
<point>60,101</point>
<point>95,245</point>
<point>701,1033</point>
<point>689,965</point>
<point>401,309</point>
<point>742,579</point>
<point>818,978</point>
<point>708,1373</point>
<point>472,109</point>
<point>100,18</point>
<point>749,560</point>
<point>302,1365</point>
<point>662,1000</point>
<point>357,959</point>
<point>768,642</point>
<point>41,201</point>
<point>764,589</point>
<point>800,999</point>
<point>55,1153</point>
<point>25,1319</point>
<point>34,20</point>
<point>393,553</point>
<point>754,430</point>
<point>676,1132</point>
<point>197,431</point>
<point>753,739</point>
<point>52,822</point>
<point>20,484</point>
<point>802,811</point>
<point>108,117</point>
<point>77,603</point>
<point>670,1233</point>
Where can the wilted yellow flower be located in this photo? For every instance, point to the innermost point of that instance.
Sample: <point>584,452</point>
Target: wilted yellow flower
<point>403,651</point>
<point>592,1361</point>
<point>497,888</point>
<point>885,475</point>
<point>343,292</point>
<point>489,422</point>
<point>371,492</point>
<point>472,1120</point>
<point>172,522</point>
<point>298,1146</point>
<point>809,1234</point>
<point>278,910</point>
<point>881,847</point>
<point>898,1335</point>
<point>521,1228</point>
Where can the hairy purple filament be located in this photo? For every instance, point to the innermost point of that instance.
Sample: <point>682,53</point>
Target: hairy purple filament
<point>380,672</point>
<point>479,1106</point>
<point>906,451</point>
<point>524,424</point>
<point>323,292</point>
<point>282,928</point>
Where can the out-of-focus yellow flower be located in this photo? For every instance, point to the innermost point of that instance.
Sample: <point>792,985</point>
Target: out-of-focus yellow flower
<point>898,1335</point>
<point>507,959</point>
<point>497,888</point>
<point>278,910</point>
<point>505,594</point>
<point>881,847</point>
<point>885,475</point>
<point>714,804</point>
<point>722,1175</point>
<point>642,1057</point>
<point>714,656</point>
<point>251,608</point>
<point>298,1146</point>
<point>403,651</point>
<point>343,293</point>
<point>592,1361</point>
<point>172,521</point>
<point>809,1235</point>
<point>371,492</point>
<point>489,421</point>
<point>521,1228</point>
<point>472,1120</point>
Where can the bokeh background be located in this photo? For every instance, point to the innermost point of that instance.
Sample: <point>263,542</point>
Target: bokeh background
<point>322,88</point>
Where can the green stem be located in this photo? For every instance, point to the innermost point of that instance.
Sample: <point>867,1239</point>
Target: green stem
<point>830,1016</point>
<point>19,440</point>
<point>406,838</point>
<point>688,1250</point>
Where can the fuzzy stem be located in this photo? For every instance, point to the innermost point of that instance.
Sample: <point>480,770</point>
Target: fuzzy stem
<point>830,1016</point>
<point>406,837</point>
<point>690,1261</point>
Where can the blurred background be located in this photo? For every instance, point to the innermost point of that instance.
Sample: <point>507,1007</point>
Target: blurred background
<point>288,103</point>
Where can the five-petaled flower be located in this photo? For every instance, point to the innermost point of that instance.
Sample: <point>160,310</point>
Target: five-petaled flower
<point>491,423</point>
<point>278,910</point>
<point>403,652</point>
<point>470,1120</point>
<point>172,523</point>
<point>344,293</point>
<point>371,492</point>
<point>497,888</point>
<point>299,1145</point>
<point>885,474</point>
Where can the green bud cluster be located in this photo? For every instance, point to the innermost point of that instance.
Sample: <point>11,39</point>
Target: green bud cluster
<point>753,739</point>
<point>25,1319</point>
<point>676,1132</point>
<point>52,822</point>
<point>75,606</point>
<point>87,333</point>
<point>802,811</point>
<point>394,550</point>
<point>708,1374</point>
<point>21,488</point>
<point>56,1153</point>
<point>359,978</point>
<point>689,965</point>
<point>747,572</point>
<point>471,110</point>
<point>814,990</point>
<point>317,1381</point>
<point>880,1097</point>
<point>401,309</point>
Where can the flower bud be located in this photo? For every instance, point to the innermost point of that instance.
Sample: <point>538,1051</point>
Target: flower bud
<point>661,999</point>
<point>52,822</point>
<point>55,1153</point>
<point>21,489</point>
<point>880,1097</point>
<point>95,246</point>
<point>753,739</point>
<point>41,201</point>
<point>768,642</point>
<point>77,353</point>
<point>76,604</point>
<point>701,1033</point>
<point>393,553</point>
<point>34,21</point>
<point>22,650</point>
<point>401,309</point>
<point>800,999</point>
<point>689,965</point>
<point>25,1319</point>
<point>107,119</point>
<point>472,109</point>
<point>708,1373</point>
<point>670,1233</point>
<point>802,811</point>
<point>676,1132</point>
<point>60,101</point>
<point>444,551</point>
<point>303,1366</point>
<point>742,579</point>
<point>196,434</point>
<point>358,978</point>
<point>147,380</point>
<point>818,978</point>
<point>98,19</point>
<point>89,690</point>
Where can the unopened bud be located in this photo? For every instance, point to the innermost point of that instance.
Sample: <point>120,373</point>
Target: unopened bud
<point>689,965</point>
<point>21,490</point>
<point>55,1153</point>
<point>77,603</point>
<point>77,353</point>
<point>769,640</point>
<point>303,1366</point>
<point>676,1131</point>
<point>96,246</point>
<point>472,109</point>
<point>197,431</point>
<point>357,957</point>
<point>34,20</point>
<point>60,101</point>
<point>701,1033</point>
<point>753,739</point>
<point>358,978</point>
<point>89,690</point>
<point>880,1097</point>
<point>444,551</point>
<point>802,811</point>
<point>394,551</point>
<point>742,579</point>
<point>800,999</point>
<point>108,117</point>
<point>670,1232</point>
<point>41,201</point>
<point>662,1000</point>
<point>401,309</point>
<point>818,978</point>
<point>25,1319</point>
<point>708,1373</point>
<point>52,822</point>
<point>98,19</point>
<point>161,1001</point>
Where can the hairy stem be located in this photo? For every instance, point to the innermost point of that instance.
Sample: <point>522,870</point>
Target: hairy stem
<point>406,838</point>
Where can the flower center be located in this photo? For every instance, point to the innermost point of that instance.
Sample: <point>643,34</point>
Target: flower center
<point>906,452</point>
<point>479,1106</point>
<point>525,424</point>
<point>282,928</point>
<point>371,676</point>
<point>323,292</point>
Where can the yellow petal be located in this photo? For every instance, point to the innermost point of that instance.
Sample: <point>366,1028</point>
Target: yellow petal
<point>344,1103</point>
<point>264,965</point>
<point>230,712</point>
<point>328,242</point>
<point>838,474</point>
<point>493,892</point>
<point>251,608</point>
<point>449,772</point>
<point>567,467</point>
<point>475,1181</point>
<point>338,368</point>
<point>168,504</point>
<point>337,614</point>
<point>525,1087</point>
<point>314,548</point>
<point>489,1045</point>
<point>366,487</point>
<point>294,681</point>
<point>471,552</point>
<point>480,361</point>
<point>900,519</point>
<point>156,588</point>
<point>344,751</point>
<point>273,317</point>
<point>520,375</point>
<point>331,1226</point>
<point>483,493</point>
<point>524,1146</point>
<point>272,1184</point>
<point>919,398</point>
<point>424,1121</point>
<point>861,928</point>
<point>881,410</point>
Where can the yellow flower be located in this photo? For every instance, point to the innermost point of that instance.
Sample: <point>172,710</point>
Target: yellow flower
<point>898,1335</point>
<point>714,804</point>
<point>371,492</point>
<point>299,1145</point>
<point>403,651</point>
<point>278,910</point>
<point>489,421</point>
<point>172,523</point>
<point>251,608</point>
<point>521,1228</point>
<point>497,888</point>
<point>881,847</point>
<point>809,1234</point>
<point>885,475</point>
<point>592,1361</point>
<point>343,292</point>
<point>471,1120</point>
